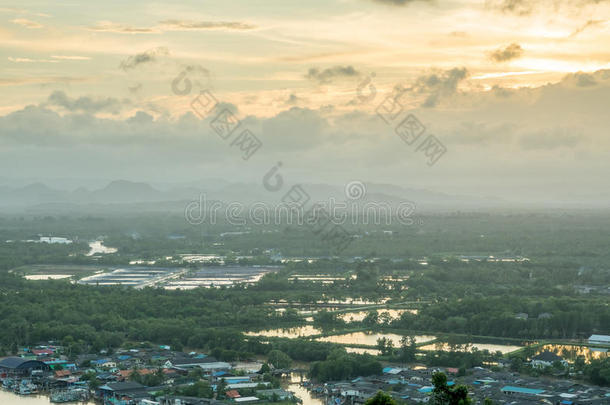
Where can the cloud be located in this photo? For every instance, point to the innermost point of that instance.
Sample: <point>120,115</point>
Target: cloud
<point>558,131</point>
<point>552,139</point>
<point>527,7</point>
<point>29,60</point>
<point>293,99</point>
<point>187,25</point>
<point>136,88</point>
<point>512,51</point>
<point>326,76</point>
<point>436,85</point>
<point>144,57</point>
<point>399,2</point>
<point>44,80</point>
<point>27,23</point>
<point>85,104</point>
<point>518,7</point>
<point>70,57</point>
<point>108,26</point>
<point>171,25</point>
<point>588,24</point>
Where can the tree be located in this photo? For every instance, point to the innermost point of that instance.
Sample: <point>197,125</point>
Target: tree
<point>200,389</point>
<point>279,359</point>
<point>221,388</point>
<point>444,395</point>
<point>385,346</point>
<point>408,348</point>
<point>381,398</point>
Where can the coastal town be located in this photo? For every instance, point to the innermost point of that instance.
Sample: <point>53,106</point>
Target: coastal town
<point>157,375</point>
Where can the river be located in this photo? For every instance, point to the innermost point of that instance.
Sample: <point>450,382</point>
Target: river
<point>9,398</point>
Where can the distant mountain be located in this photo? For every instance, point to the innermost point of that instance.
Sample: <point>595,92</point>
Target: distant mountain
<point>123,192</point>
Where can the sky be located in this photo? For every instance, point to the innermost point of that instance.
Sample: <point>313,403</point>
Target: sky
<point>513,95</point>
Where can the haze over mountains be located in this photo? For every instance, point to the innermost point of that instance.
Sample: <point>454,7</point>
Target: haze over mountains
<point>124,193</point>
<point>128,195</point>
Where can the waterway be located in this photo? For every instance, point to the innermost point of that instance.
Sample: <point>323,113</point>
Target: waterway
<point>9,398</point>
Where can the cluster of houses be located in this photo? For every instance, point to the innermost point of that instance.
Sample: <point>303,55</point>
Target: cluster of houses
<point>414,385</point>
<point>121,376</point>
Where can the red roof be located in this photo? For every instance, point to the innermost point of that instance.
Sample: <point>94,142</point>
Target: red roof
<point>232,394</point>
<point>452,370</point>
<point>62,373</point>
<point>38,352</point>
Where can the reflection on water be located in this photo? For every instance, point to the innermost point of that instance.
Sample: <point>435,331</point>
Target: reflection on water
<point>570,353</point>
<point>98,247</point>
<point>360,315</point>
<point>360,350</point>
<point>370,338</point>
<point>8,398</point>
<point>296,332</point>
<point>492,348</point>
<point>47,276</point>
<point>302,392</point>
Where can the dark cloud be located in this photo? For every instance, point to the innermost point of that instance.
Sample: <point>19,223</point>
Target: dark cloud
<point>512,51</point>
<point>328,75</point>
<point>519,7</point>
<point>584,79</point>
<point>500,91</point>
<point>186,25</point>
<point>144,57</point>
<point>588,24</point>
<point>293,99</point>
<point>399,3</point>
<point>85,104</point>
<point>437,85</point>
<point>527,7</point>
<point>136,88</point>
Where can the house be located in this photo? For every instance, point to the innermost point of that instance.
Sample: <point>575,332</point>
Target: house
<point>599,340</point>
<point>521,391</point>
<point>21,366</point>
<point>232,394</point>
<point>207,364</point>
<point>62,373</point>
<point>121,389</point>
<point>43,352</point>
<point>546,359</point>
<point>279,393</point>
<point>103,363</point>
<point>246,399</point>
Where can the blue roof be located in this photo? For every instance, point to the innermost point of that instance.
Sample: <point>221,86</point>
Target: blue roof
<point>450,383</point>
<point>233,380</point>
<point>386,369</point>
<point>426,389</point>
<point>566,402</point>
<point>522,390</point>
<point>220,373</point>
<point>124,357</point>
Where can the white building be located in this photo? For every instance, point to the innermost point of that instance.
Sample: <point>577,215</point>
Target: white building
<point>599,340</point>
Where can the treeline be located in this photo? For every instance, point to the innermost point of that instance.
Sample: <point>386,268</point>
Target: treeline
<point>497,316</point>
<point>86,317</point>
<point>340,365</point>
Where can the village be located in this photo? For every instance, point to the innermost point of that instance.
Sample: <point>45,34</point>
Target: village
<point>156,375</point>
